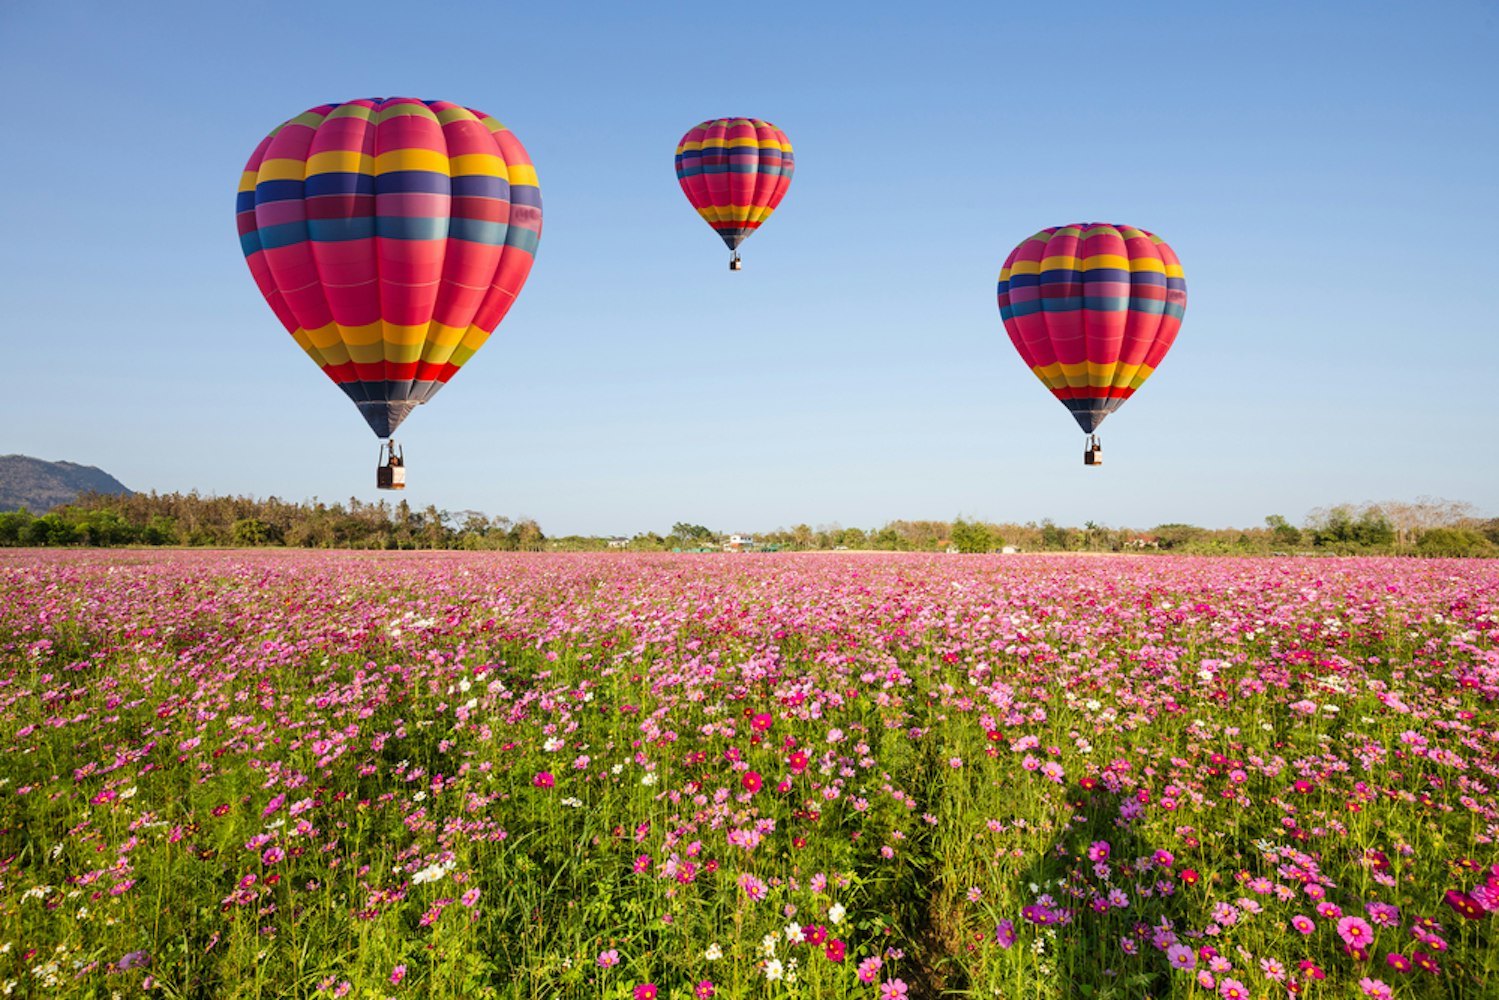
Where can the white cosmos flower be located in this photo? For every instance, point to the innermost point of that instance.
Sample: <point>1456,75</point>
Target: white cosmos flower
<point>835,914</point>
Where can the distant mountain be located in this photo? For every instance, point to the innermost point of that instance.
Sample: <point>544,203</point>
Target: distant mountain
<point>39,486</point>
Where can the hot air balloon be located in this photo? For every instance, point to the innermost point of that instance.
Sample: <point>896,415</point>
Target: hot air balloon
<point>735,171</point>
<point>1092,309</point>
<point>390,236</point>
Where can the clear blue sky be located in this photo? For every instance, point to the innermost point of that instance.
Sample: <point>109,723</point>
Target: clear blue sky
<point>1328,174</point>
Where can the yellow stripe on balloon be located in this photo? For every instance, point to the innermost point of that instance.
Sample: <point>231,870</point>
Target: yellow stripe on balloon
<point>340,161</point>
<point>1059,263</point>
<point>1109,260</point>
<point>362,336</point>
<point>1024,267</point>
<point>481,164</point>
<point>522,173</point>
<point>248,180</point>
<point>282,170</point>
<point>324,336</point>
<point>411,159</point>
<point>1147,264</point>
<point>441,342</point>
<point>404,336</point>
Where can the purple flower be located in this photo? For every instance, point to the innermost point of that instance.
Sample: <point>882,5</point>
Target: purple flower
<point>1004,934</point>
<point>1181,957</point>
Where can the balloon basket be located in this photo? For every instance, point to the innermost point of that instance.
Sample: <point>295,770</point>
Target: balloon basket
<point>1093,452</point>
<point>391,473</point>
<point>735,264</point>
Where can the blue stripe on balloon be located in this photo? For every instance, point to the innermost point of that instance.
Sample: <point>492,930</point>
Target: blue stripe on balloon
<point>478,231</point>
<point>250,242</point>
<point>480,186</point>
<point>340,183</point>
<point>402,227</point>
<point>277,191</point>
<point>284,235</point>
<point>341,230</point>
<point>413,181</point>
<point>523,239</point>
<point>525,194</point>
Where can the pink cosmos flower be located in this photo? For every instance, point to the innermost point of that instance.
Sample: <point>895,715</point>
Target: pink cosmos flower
<point>544,780</point>
<point>645,991</point>
<point>752,781</point>
<point>703,990</point>
<point>608,958</point>
<point>1303,923</point>
<point>1355,931</point>
<point>397,974</point>
<point>1232,989</point>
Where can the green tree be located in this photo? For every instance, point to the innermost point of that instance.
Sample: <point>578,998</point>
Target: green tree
<point>973,536</point>
<point>1455,543</point>
<point>13,525</point>
<point>1283,534</point>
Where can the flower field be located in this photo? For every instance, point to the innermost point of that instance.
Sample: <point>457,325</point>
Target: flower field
<point>255,774</point>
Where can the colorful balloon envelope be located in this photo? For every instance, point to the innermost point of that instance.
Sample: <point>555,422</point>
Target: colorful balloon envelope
<point>390,236</point>
<point>1092,309</point>
<point>735,171</point>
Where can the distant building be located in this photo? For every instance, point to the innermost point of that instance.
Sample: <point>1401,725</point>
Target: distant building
<point>619,543</point>
<point>739,543</point>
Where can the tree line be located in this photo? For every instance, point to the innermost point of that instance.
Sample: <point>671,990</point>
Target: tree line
<point>1428,527</point>
<point>188,519</point>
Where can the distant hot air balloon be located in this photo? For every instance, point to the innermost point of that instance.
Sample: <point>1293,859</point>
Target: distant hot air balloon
<point>1092,309</point>
<point>390,236</point>
<point>735,171</point>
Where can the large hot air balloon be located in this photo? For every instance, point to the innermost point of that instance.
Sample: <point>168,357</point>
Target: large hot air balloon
<point>390,236</point>
<point>735,171</point>
<point>1092,309</point>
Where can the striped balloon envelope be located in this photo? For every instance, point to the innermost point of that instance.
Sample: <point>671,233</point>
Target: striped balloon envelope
<point>735,171</point>
<point>390,236</point>
<point>1092,309</point>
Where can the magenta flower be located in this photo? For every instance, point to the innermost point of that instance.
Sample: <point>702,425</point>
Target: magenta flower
<point>752,781</point>
<point>397,974</point>
<point>1355,931</point>
<point>703,990</point>
<point>645,991</point>
<point>1464,904</point>
<point>608,958</point>
<point>1303,923</point>
<point>869,969</point>
<point>544,780</point>
<point>1004,934</point>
